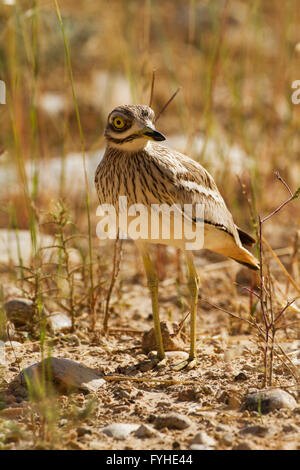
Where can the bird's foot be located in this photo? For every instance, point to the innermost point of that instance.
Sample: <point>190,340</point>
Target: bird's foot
<point>153,363</point>
<point>189,364</point>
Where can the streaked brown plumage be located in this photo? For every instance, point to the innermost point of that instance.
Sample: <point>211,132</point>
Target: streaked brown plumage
<point>137,166</point>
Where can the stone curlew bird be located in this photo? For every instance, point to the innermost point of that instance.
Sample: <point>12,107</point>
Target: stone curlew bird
<point>137,166</point>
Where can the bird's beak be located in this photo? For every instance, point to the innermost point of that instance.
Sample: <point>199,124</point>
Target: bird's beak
<point>152,134</point>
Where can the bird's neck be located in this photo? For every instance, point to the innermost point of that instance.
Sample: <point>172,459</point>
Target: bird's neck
<point>133,146</point>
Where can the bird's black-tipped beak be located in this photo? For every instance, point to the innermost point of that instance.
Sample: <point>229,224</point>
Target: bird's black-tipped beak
<point>153,134</point>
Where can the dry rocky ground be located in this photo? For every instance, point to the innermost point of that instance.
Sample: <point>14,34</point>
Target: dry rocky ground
<point>115,402</point>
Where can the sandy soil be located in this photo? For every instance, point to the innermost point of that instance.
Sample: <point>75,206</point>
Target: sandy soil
<point>229,368</point>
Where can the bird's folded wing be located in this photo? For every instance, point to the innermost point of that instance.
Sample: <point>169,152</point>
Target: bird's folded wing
<point>189,183</point>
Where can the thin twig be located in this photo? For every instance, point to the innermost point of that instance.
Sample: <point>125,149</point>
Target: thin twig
<point>152,88</point>
<point>167,104</point>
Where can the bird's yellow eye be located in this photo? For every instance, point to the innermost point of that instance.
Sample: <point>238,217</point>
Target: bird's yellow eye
<point>118,122</point>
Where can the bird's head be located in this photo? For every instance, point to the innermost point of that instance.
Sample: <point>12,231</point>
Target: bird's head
<point>130,127</point>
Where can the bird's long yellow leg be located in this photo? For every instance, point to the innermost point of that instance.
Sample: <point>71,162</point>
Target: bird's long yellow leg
<point>153,287</point>
<point>193,284</point>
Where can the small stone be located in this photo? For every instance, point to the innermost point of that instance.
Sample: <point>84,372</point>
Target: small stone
<point>59,321</point>
<point>75,340</point>
<point>67,373</point>
<point>19,311</point>
<point>231,398</point>
<point>242,446</point>
<point>172,421</point>
<point>207,390</point>
<point>171,340</point>
<point>269,400</point>
<point>256,430</point>
<point>75,445</point>
<point>120,431</point>
<point>203,438</point>
<point>187,394</point>
<point>241,376</point>
<point>227,439</point>
<point>290,428</point>
<point>145,431</point>
<point>96,445</point>
<point>174,356</point>
<point>82,430</point>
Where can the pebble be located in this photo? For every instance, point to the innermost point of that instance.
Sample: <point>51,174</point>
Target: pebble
<point>287,428</point>
<point>242,446</point>
<point>171,341</point>
<point>67,373</point>
<point>145,431</point>
<point>231,398</point>
<point>75,340</point>
<point>172,421</point>
<point>269,400</point>
<point>227,439</point>
<point>120,431</point>
<point>59,321</point>
<point>20,311</point>
<point>174,356</point>
<point>256,430</point>
<point>82,430</point>
<point>241,376</point>
<point>203,438</point>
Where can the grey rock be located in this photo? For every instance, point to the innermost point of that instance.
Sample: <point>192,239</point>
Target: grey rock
<point>120,431</point>
<point>59,321</point>
<point>242,446</point>
<point>256,430</point>
<point>227,439</point>
<point>290,428</point>
<point>203,438</point>
<point>75,340</point>
<point>172,421</point>
<point>145,431</point>
<point>269,400</point>
<point>19,311</point>
<point>171,340</point>
<point>67,373</point>
<point>82,430</point>
<point>241,376</point>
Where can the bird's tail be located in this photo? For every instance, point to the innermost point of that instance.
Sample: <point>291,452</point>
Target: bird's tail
<point>227,245</point>
<point>247,260</point>
<point>237,252</point>
<point>243,256</point>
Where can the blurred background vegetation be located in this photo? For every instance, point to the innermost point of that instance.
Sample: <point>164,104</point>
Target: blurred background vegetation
<point>234,60</point>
